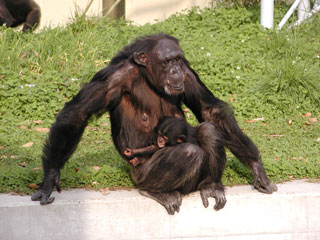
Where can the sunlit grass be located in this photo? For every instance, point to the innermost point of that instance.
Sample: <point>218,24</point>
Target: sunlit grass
<point>261,73</point>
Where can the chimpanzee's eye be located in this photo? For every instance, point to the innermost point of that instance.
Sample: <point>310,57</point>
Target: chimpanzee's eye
<point>165,63</point>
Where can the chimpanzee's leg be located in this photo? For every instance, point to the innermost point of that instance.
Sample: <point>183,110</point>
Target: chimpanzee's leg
<point>168,173</point>
<point>214,161</point>
<point>6,17</point>
<point>33,18</point>
<point>240,145</point>
<point>65,135</point>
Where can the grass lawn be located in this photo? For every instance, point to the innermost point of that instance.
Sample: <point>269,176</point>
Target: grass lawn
<point>270,78</point>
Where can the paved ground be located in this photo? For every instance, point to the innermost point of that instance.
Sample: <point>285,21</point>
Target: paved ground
<point>291,213</point>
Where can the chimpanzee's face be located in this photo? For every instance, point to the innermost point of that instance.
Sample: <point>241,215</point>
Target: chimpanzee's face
<point>167,66</point>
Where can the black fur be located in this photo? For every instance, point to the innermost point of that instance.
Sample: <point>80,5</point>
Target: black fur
<point>177,130</point>
<point>147,81</point>
<point>169,132</point>
<point>16,12</point>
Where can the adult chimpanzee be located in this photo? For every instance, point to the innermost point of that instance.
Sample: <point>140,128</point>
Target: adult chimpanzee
<point>170,132</point>
<point>16,12</point>
<point>143,83</point>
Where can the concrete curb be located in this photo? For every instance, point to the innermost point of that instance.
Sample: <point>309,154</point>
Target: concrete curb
<point>291,213</point>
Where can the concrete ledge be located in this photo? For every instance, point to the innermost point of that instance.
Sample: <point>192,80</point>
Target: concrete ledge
<point>291,213</point>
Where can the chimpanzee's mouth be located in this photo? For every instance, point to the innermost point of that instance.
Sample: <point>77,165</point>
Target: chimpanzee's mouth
<point>174,89</point>
<point>177,87</point>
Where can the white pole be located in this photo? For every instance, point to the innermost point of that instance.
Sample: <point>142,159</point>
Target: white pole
<point>303,10</point>
<point>289,13</point>
<point>316,6</point>
<point>266,17</point>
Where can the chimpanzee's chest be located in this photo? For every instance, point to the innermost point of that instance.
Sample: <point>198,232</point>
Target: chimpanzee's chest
<point>142,114</point>
<point>137,115</point>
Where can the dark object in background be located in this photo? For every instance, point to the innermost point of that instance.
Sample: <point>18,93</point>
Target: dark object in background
<point>16,12</point>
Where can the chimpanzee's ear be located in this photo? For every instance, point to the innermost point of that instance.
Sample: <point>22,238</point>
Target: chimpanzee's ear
<point>181,138</point>
<point>140,58</point>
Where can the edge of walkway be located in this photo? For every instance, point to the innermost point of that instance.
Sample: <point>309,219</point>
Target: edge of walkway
<point>293,212</point>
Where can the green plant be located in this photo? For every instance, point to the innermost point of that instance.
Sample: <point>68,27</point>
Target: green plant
<point>261,73</point>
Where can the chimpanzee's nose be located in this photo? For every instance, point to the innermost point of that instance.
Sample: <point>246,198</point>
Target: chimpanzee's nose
<point>174,70</point>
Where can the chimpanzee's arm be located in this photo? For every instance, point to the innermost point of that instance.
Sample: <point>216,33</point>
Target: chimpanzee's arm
<point>98,96</point>
<point>208,108</point>
<point>33,17</point>
<point>129,152</point>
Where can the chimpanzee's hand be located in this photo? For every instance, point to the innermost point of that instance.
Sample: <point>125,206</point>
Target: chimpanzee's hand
<point>51,180</point>
<point>261,181</point>
<point>264,185</point>
<point>128,152</point>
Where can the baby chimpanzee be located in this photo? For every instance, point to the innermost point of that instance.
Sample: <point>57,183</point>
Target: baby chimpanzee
<point>171,131</point>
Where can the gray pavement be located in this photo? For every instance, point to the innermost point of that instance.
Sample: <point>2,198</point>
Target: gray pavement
<point>291,213</point>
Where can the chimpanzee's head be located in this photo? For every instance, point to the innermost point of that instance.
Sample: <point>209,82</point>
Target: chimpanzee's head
<point>164,64</point>
<point>171,131</point>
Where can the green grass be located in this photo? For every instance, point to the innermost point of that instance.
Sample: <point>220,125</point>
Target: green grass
<point>269,74</point>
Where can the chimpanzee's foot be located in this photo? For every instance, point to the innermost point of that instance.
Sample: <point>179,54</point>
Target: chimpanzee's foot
<point>261,181</point>
<point>43,197</point>
<point>263,186</point>
<point>43,194</point>
<point>216,191</point>
<point>171,201</point>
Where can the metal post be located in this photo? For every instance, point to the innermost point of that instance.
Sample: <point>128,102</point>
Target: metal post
<point>316,6</point>
<point>303,10</point>
<point>266,17</point>
<point>114,9</point>
<point>289,13</point>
